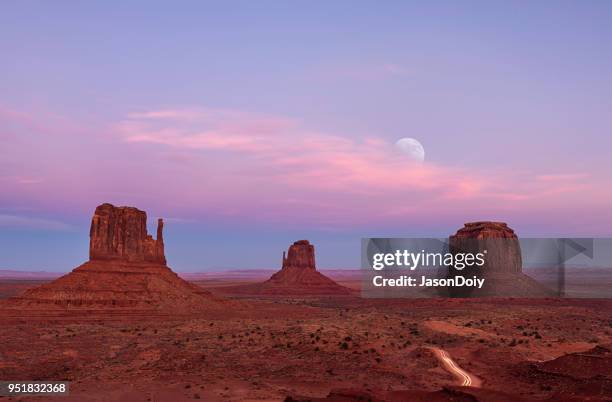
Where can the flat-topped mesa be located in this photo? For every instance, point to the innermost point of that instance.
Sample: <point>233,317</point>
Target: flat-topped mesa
<point>500,242</point>
<point>301,255</point>
<point>120,233</point>
<point>496,239</point>
<point>503,266</point>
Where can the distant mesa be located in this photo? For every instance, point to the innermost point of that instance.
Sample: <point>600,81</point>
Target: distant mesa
<point>126,269</point>
<point>503,267</point>
<point>298,276</point>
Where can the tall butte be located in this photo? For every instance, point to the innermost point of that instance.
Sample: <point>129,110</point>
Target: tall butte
<point>299,276</point>
<point>503,266</point>
<point>126,269</point>
<point>120,233</point>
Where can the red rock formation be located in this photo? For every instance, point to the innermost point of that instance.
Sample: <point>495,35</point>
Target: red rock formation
<point>121,233</point>
<point>301,255</point>
<point>502,270</point>
<point>500,242</point>
<point>299,276</point>
<point>127,269</point>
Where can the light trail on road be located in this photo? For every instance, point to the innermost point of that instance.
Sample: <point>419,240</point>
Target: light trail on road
<point>467,379</point>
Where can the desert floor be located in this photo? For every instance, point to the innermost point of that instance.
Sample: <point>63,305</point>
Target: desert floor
<point>264,349</point>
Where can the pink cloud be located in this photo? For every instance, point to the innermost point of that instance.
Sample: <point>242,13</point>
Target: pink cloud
<point>295,157</point>
<point>223,164</point>
<point>562,177</point>
<point>294,154</point>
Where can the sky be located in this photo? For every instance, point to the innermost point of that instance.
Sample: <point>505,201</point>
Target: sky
<point>249,125</point>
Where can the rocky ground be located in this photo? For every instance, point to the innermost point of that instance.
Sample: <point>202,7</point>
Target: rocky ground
<point>308,347</point>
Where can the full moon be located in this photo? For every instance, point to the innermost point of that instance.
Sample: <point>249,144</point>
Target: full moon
<point>412,148</point>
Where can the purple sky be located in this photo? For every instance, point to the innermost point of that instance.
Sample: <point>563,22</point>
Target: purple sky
<point>249,125</point>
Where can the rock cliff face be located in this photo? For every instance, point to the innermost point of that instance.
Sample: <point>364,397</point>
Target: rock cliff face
<point>500,242</point>
<point>127,270</point>
<point>502,270</point>
<point>301,255</point>
<point>120,233</point>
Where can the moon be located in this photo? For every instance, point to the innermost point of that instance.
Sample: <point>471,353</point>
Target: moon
<point>412,148</point>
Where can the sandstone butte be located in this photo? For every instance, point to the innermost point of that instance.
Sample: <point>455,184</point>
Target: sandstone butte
<point>503,268</point>
<point>299,275</point>
<point>126,270</point>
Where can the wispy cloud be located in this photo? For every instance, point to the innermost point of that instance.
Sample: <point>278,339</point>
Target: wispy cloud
<point>27,222</point>
<point>566,177</point>
<point>317,163</point>
<point>21,179</point>
<point>395,69</point>
<point>29,180</point>
<point>223,164</point>
<point>372,71</point>
<point>294,155</point>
